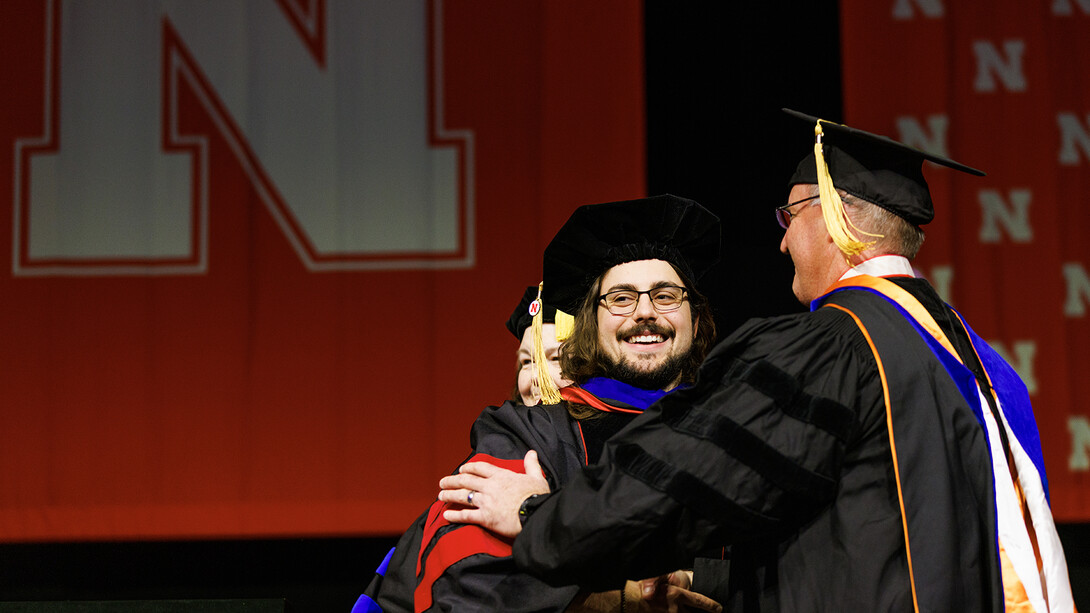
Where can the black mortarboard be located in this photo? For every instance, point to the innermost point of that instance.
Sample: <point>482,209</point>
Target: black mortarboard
<point>598,237</point>
<point>874,168</point>
<point>521,318</point>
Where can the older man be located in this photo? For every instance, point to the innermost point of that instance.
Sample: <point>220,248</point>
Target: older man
<point>871,455</point>
<point>626,270</point>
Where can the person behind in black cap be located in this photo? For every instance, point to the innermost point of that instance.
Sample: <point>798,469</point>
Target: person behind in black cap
<point>873,454</point>
<point>625,271</point>
<point>536,348</point>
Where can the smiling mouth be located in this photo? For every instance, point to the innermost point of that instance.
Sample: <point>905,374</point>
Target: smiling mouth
<point>646,334</point>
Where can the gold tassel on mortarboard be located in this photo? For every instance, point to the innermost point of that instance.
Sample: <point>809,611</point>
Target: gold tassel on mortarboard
<point>550,393</point>
<point>832,207</point>
<point>565,325</point>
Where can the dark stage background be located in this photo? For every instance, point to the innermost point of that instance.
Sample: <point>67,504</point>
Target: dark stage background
<point>716,76</point>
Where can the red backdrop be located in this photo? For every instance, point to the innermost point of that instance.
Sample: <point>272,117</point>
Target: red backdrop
<point>998,86</point>
<point>198,336</point>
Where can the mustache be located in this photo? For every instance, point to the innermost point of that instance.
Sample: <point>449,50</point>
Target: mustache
<point>648,327</point>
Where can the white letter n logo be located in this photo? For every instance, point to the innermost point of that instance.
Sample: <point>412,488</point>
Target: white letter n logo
<point>347,152</point>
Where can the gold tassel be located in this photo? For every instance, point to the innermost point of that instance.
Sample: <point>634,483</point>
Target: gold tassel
<point>832,207</point>
<point>565,325</point>
<point>550,393</point>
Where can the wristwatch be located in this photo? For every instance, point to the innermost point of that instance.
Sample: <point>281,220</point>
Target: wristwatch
<point>528,506</point>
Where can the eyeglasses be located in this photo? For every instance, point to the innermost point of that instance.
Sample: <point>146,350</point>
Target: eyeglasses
<point>665,299</point>
<point>784,217</point>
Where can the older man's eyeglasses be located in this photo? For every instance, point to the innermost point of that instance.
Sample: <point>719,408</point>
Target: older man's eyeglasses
<point>784,216</point>
<point>665,299</point>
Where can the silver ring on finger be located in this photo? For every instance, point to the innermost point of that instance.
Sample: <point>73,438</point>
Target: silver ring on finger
<point>469,498</point>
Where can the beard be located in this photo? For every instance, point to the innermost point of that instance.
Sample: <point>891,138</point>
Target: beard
<point>655,379</point>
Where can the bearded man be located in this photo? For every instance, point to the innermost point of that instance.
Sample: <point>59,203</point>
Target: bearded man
<point>873,454</point>
<point>626,270</point>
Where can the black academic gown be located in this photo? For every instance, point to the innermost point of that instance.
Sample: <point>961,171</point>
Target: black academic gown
<point>778,465</point>
<point>438,566</point>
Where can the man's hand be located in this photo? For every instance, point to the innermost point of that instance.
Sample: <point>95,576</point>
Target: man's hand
<point>671,593</point>
<point>665,594</point>
<point>492,494</point>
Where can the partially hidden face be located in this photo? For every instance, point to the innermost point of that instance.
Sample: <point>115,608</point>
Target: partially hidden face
<point>645,342</point>
<point>527,374</point>
<point>818,262</point>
